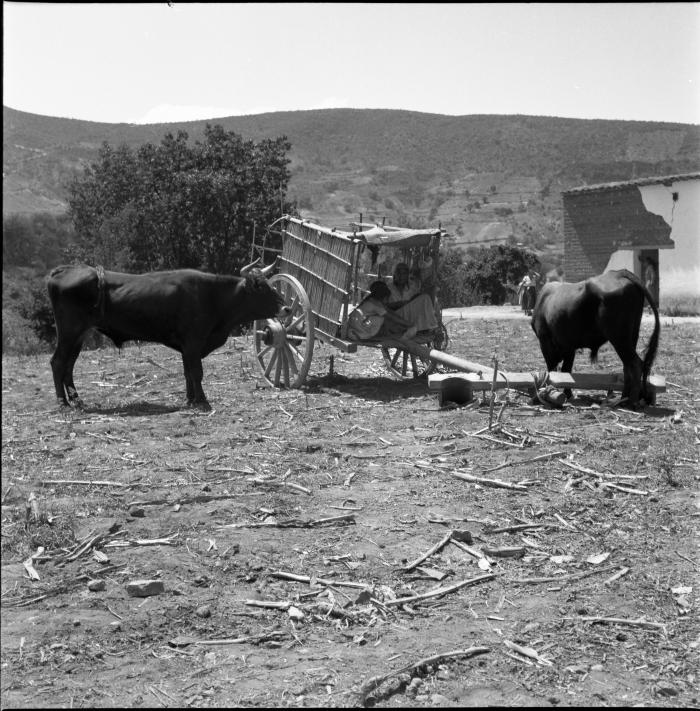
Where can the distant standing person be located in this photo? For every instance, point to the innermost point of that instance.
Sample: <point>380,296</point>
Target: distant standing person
<point>650,278</point>
<point>650,275</point>
<point>527,292</point>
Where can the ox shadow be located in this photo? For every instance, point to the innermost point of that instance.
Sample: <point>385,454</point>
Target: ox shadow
<point>378,388</point>
<point>135,409</point>
<point>586,401</point>
<point>656,411</point>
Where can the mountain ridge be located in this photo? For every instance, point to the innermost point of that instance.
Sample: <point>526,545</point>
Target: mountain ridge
<point>483,177</point>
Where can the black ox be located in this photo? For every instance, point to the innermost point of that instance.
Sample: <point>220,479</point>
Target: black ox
<point>190,311</point>
<point>589,313</point>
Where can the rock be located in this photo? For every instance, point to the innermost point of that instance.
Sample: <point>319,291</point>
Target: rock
<point>440,700</point>
<point>295,613</point>
<point>414,685</point>
<point>463,536</point>
<point>145,588</point>
<point>203,611</point>
<point>96,585</point>
<point>666,689</point>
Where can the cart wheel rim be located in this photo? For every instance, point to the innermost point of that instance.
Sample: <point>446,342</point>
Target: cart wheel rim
<point>284,346</point>
<point>405,365</point>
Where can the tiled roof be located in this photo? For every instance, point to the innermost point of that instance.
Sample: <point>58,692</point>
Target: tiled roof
<point>664,179</point>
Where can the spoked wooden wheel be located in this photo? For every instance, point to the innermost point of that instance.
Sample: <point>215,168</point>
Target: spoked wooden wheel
<point>406,366</point>
<point>284,346</point>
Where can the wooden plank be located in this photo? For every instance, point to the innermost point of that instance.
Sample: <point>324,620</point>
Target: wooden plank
<point>601,381</point>
<point>345,346</point>
<point>657,383</point>
<point>439,381</point>
<point>460,387</point>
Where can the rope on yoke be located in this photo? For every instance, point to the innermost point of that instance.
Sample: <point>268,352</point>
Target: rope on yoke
<point>100,303</point>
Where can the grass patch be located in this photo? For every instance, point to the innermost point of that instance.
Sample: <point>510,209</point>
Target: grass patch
<point>680,305</point>
<point>22,534</point>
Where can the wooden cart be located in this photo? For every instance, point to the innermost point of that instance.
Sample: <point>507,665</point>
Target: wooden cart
<point>322,274</point>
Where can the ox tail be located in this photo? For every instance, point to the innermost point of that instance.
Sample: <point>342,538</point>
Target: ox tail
<point>652,346</point>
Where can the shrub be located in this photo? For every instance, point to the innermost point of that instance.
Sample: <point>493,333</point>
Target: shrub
<point>37,240</point>
<point>482,275</point>
<point>18,336</point>
<point>680,305</point>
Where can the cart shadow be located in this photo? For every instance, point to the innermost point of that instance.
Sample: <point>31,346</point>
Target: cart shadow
<point>378,388</point>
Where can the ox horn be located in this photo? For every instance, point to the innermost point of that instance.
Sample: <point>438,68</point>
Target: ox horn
<point>246,270</point>
<point>265,271</point>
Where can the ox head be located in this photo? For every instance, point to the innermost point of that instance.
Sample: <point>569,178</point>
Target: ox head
<point>265,301</point>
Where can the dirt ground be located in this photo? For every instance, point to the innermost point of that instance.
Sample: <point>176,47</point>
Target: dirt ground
<point>570,577</point>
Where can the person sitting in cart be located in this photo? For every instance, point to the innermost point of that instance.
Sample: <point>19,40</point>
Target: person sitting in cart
<point>372,318</point>
<point>408,300</point>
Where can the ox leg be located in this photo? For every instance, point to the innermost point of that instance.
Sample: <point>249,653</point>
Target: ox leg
<point>73,397</point>
<point>58,367</point>
<point>552,358</point>
<point>566,367</point>
<point>193,382</point>
<point>631,367</point>
<point>62,363</point>
<point>632,371</point>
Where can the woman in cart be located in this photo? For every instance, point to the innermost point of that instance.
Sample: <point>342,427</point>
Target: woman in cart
<point>408,301</point>
<point>373,319</point>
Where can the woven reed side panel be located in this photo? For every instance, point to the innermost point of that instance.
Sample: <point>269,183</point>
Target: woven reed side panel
<point>323,264</point>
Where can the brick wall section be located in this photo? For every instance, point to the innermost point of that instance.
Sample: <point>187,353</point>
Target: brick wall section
<point>599,222</point>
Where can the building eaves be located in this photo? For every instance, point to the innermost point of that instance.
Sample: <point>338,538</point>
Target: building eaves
<point>602,187</point>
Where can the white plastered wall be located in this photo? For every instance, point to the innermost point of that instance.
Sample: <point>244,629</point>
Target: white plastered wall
<point>679,268</point>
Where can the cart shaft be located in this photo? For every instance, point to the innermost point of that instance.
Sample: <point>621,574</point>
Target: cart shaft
<point>437,356</point>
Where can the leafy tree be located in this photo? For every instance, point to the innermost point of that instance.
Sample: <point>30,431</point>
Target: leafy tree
<point>175,205</point>
<point>490,269</point>
<point>453,288</point>
<point>481,275</point>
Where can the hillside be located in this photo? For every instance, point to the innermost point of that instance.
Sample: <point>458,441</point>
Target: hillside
<point>483,177</point>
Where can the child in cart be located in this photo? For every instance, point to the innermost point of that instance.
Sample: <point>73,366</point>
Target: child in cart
<point>373,319</point>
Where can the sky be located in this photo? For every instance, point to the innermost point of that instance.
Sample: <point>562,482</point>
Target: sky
<point>166,62</point>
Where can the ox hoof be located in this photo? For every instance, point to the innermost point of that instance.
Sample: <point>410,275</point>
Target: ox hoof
<point>204,406</point>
